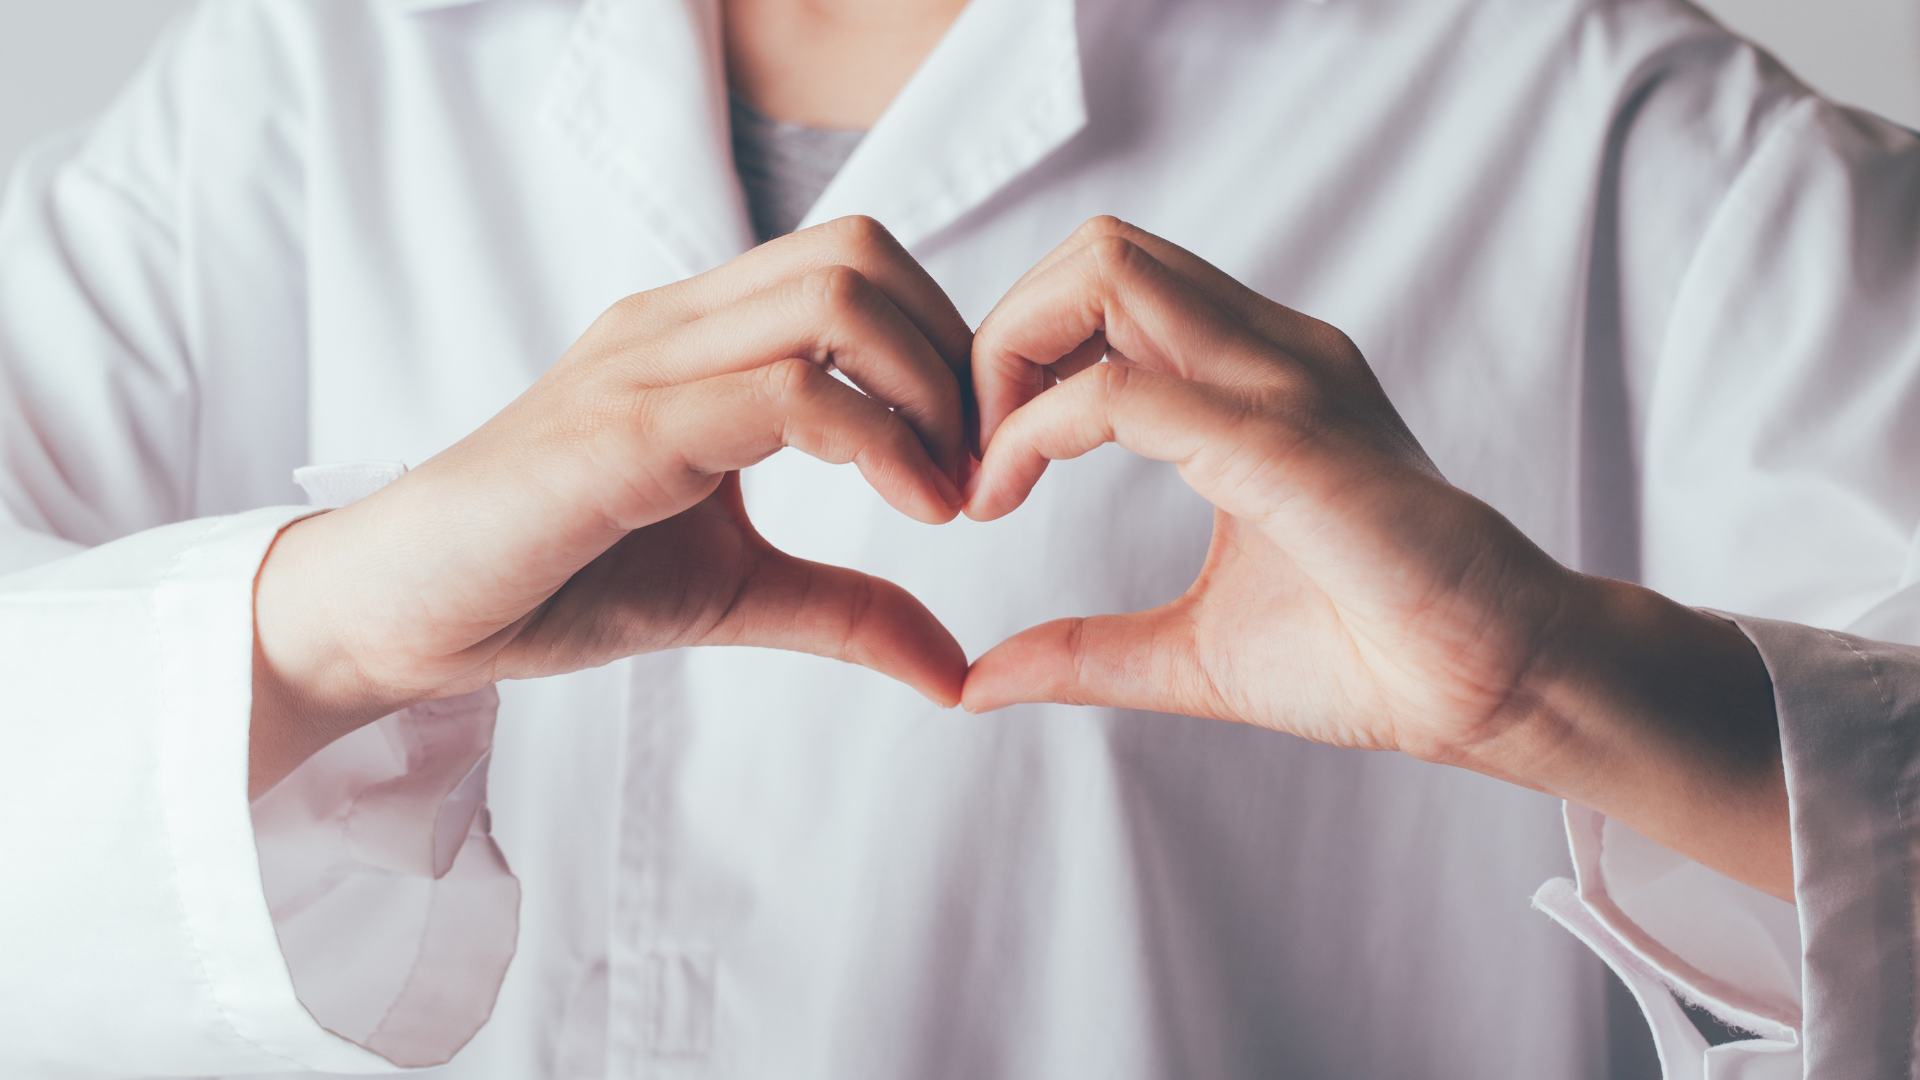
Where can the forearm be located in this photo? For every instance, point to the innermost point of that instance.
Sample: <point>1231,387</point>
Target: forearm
<point>1661,717</point>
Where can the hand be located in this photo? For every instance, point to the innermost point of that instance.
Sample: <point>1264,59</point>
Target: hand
<point>1351,595</point>
<point>599,515</point>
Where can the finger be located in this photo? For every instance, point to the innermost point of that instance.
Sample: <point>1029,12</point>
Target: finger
<point>1293,331</point>
<point>1085,355</point>
<point>1110,286</point>
<point>729,422</point>
<point>845,615</point>
<point>1089,230</point>
<point>833,317</point>
<point>1231,455</point>
<point>1316,346</point>
<point>859,243</point>
<point>1215,282</point>
<point>1140,661</point>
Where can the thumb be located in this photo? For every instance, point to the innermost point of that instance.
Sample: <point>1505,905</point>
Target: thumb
<point>1142,661</point>
<point>846,615</point>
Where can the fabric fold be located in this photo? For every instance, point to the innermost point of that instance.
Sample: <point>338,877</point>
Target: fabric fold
<point>1825,985</point>
<point>397,912</point>
<point>1850,734</point>
<point>124,787</point>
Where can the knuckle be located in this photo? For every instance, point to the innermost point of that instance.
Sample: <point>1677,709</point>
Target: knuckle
<point>632,306</point>
<point>645,313</point>
<point>1296,404</point>
<point>1098,226</point>
<point>987,337</point>
<point>1114,254</point>
<point>790,380</point>
<point>1109,380</point>
<point>618,322</point>
<point>946,391</point>
<point>861,601</point>
<point>606,405</point>
<point>642,413</point>
<point>626,323</point>
<point>836,292</point>
<point>1332,343</point>
<point>859,233</point>
<point>1077,652</point>
<point>900,443</point>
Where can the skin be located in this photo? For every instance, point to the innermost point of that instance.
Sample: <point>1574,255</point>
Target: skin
<point>599,515</point>
<point>1351,595</point>
<point>832,64</point>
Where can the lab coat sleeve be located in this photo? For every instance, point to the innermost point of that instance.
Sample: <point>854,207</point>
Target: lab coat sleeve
<point>395,910</point>
<point>357,919</point>
<point>1825,987</point>
<point>136,934</point>
<point>1781,427</point>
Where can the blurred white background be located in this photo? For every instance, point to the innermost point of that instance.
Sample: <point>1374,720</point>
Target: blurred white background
<point>61,60</point>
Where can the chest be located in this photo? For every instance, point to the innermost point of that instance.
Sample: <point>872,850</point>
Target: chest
<point>445,278</point>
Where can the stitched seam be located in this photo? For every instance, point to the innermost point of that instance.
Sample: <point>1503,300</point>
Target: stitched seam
<point>1900,820</point>
<point>166,817</point>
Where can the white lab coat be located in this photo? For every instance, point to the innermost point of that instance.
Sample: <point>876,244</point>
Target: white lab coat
<point>1624,278</point>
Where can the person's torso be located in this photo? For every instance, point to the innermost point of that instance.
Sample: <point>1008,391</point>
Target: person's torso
<point>741,863</point>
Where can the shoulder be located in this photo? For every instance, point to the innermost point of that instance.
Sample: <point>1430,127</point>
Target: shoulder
<point>234,54</point>
<point>247,89</point>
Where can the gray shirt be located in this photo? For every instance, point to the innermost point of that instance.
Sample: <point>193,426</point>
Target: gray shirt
<point>784,167</point>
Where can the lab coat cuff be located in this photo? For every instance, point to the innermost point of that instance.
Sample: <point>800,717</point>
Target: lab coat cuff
<point>197,921</point>
<point>203,608</point>
<point>1831,976</point>
<point>1849,712</point>
<point>1672,929</point>
<point>396,910</point>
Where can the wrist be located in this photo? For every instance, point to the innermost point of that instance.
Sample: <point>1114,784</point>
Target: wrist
<point>1661,717</point>
<point>308,689</point>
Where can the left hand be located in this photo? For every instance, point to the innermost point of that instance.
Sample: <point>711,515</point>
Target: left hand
<point>1351,594</point>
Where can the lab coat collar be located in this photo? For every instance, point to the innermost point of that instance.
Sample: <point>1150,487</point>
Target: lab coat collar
<point>642,96</point>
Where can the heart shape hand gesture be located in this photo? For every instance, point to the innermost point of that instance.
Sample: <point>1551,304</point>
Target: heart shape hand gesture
<point>1351,595</point>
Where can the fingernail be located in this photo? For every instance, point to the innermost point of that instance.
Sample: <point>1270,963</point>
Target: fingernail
<point>972,490</point>
<point>948,491</point>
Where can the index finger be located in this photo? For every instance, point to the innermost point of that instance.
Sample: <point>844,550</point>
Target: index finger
<point>1109,291</point>
<point>860,243</point>
<point>1021,340</point>
<point>1289,329</point>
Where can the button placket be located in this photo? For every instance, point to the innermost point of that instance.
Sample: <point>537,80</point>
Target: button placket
<point>661,993</point>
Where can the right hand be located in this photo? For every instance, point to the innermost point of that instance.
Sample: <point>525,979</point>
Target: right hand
<point>599,515</point>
